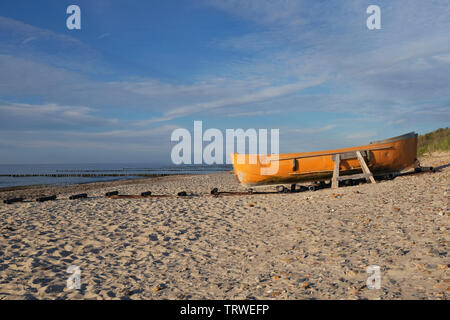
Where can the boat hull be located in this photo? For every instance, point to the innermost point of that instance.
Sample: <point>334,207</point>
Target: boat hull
<point>382,157</point>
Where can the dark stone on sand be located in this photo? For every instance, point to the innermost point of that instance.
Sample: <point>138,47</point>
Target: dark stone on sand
<point>153,237</point>
<point>111,294</point>
<point>55,288</point>
<point>135,291</point>
<point>43,281</point>
<point>51,250</point>
<point>65,253</point>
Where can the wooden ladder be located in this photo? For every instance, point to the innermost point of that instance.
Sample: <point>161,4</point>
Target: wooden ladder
<point>350,155</point>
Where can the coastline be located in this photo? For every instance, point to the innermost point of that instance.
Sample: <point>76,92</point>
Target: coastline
<point>309,245</point>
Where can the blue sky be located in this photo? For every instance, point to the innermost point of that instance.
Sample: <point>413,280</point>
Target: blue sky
<point>116,89</point>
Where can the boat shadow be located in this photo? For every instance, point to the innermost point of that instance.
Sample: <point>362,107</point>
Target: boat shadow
<point>424,170</point>
<point>442,167</point>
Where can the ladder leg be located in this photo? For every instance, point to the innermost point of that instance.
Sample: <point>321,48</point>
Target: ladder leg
<point>364,167</point>
<point>334,181</point>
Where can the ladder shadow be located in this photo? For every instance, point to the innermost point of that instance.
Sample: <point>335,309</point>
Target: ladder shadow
<point>442,167</point>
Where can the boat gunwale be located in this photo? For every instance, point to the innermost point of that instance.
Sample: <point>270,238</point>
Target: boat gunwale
<point>405,136</point>
<point>333,153</point>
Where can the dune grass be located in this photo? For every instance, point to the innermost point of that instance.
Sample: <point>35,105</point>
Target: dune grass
<point>438,140</point>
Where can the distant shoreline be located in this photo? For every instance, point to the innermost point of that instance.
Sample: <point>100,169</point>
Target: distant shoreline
<point>31,192</point>
<point>38,185</point>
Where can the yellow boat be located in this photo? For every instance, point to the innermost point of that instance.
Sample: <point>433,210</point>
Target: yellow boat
<point>382,157</point>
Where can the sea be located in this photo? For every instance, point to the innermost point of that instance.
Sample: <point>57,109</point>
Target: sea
<point>66,174</point>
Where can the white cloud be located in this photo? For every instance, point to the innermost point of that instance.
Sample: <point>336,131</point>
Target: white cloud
<point>443,57</point>
<point>19,116</point>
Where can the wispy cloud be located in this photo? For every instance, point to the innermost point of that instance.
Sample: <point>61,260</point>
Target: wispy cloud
<point>104,35</point>
<point>265,11</point>
<point>260,95</point>
<point>370,72</point>
<point>20,116</point>
<point>252,113</point>
<point>315,130</point>
<point>27,41</point>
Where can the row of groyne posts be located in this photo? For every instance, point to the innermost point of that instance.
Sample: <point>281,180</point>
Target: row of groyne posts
<point>215,191</point>
<point>110,195</point>
<point>148,194</point>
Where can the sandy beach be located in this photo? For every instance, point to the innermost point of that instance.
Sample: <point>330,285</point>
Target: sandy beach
<point>308,245</point>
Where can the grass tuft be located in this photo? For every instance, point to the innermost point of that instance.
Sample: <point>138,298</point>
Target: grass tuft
<point>438,140</point>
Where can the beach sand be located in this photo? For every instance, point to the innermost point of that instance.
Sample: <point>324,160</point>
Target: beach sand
<point>272,246</point>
